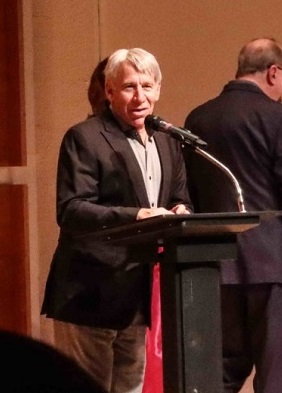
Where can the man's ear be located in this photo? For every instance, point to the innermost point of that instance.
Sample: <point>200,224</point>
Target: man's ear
<point>158,91</point>
<point>271,75</point>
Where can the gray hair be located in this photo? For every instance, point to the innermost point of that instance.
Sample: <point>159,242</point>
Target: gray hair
<point>258,55</point>
<point>140,59</point>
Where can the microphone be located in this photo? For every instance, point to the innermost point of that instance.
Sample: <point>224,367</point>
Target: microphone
<point>157,124</point>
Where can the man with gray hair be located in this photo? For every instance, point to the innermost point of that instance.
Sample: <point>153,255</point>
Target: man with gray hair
<point>243,129</point>
<point>111,170</point>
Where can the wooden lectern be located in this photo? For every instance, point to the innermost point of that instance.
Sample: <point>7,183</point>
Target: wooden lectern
<point>190,290</point>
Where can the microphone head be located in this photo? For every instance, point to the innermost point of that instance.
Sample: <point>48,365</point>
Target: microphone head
<point>152,122</point>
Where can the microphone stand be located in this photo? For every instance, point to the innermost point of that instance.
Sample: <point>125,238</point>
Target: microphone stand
<point>226,170</point>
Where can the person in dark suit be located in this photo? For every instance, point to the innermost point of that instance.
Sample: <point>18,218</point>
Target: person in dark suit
<point>153,376</point>
<point>243,129</point>
<point>112,171</point>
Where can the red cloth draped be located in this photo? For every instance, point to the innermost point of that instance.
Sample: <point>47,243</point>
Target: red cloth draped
<point>153,382</point>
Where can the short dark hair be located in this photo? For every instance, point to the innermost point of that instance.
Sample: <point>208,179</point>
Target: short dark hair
<point>258,55</point>
<point>96,90</point>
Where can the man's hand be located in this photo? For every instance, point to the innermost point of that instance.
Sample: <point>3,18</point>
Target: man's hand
<point>146,213</point>
<point>180,209</point>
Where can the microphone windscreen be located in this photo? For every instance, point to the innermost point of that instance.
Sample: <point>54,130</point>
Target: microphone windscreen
<point>152,122</point>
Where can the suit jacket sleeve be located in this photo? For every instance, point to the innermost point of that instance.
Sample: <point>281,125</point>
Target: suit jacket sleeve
<point>92,185</point>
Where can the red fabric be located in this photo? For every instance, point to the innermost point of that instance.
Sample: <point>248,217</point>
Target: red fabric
<point>153,382</point>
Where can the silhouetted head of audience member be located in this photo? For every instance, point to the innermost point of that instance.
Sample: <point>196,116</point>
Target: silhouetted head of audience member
<point>31,366</point>
<point>96,89</point>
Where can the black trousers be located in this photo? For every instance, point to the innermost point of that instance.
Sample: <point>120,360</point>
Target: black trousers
<point>252,336</point>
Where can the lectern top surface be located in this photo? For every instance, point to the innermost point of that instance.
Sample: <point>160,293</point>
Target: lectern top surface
<point>184,225</point>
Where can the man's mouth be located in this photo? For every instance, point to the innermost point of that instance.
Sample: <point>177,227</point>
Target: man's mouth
<point>139,111</point>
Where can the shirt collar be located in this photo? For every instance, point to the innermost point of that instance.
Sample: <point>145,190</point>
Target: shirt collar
<point>129,131</point>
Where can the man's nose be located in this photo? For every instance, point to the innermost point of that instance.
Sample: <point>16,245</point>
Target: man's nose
<point>139,95</point>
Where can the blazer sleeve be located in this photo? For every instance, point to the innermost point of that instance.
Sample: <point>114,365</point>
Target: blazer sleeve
<point>80,206</point>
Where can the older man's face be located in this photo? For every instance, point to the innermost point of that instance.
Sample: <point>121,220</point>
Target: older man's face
<point>132,95</point>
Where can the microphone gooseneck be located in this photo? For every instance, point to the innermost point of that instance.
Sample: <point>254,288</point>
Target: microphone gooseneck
<point>227,171</point>
<point>193,141</point>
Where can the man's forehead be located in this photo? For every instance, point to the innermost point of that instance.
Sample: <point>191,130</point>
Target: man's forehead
<point>127,69</point>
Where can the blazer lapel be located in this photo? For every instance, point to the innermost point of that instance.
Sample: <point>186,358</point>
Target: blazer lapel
<point>119,143</point>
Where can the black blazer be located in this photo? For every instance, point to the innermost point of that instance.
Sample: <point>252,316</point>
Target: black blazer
<point>243,129</point>
<point>99,183</point>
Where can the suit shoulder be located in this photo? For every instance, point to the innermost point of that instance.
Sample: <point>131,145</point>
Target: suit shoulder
<point>84,128</point>
<point>89,123</point>
<point>197,111</point>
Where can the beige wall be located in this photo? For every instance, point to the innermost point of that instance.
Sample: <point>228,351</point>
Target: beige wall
<point>195,41</point>
<point>65,48</point>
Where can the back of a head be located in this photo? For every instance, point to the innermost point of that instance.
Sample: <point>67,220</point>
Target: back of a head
<point>258,55</point>
<point>32,366</point>
<point>140,59</point>
<point>96,89</point>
